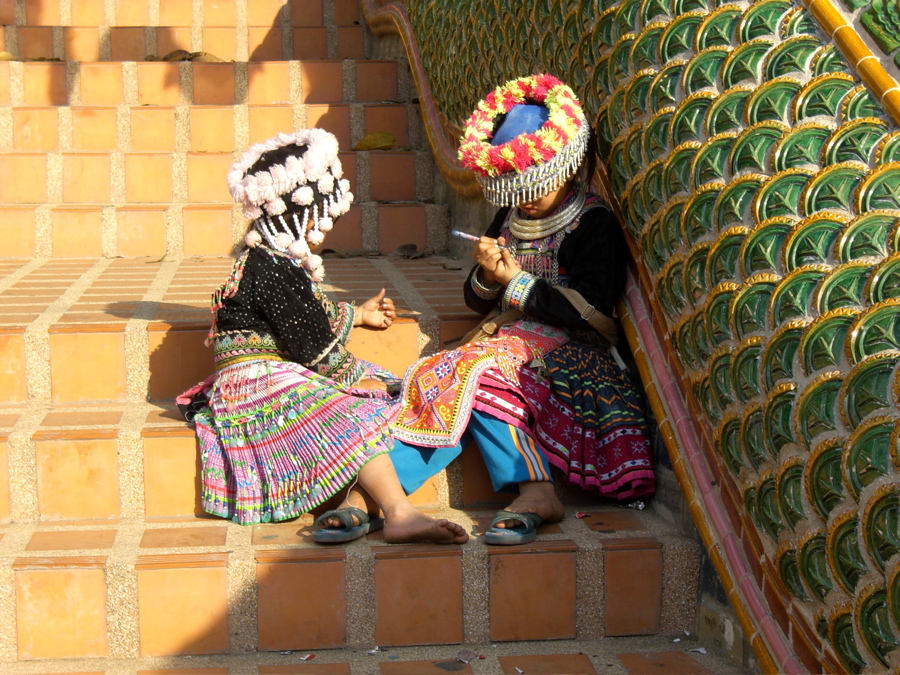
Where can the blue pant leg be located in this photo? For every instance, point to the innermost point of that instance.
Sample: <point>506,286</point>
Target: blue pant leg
<point>415,464</point>
<point>511,454</point>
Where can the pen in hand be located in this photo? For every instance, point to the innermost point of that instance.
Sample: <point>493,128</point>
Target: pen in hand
<point>471,237</point>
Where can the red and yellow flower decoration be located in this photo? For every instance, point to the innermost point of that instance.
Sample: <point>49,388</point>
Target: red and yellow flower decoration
<point>563,124</point>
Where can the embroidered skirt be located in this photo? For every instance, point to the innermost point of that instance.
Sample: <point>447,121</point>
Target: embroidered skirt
<point>278,440</point>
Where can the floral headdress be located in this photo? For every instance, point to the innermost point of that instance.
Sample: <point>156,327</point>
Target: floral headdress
<point>286,183</point>
<point>531,164</point>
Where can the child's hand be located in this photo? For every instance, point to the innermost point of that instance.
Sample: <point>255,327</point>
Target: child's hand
<point>372,384</point>
<point>497,265</point>
<point>377,312</point>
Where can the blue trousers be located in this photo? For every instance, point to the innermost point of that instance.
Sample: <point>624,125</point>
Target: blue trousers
<point>511,456</point>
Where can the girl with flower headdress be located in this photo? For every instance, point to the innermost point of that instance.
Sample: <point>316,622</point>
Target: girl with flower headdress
<point>543,389</point>
<point>292,416</point>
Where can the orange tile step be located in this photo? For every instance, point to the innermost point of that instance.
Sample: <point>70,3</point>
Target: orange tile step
<point>179,585</point>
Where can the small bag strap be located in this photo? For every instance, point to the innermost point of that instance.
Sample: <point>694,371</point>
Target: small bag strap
<point>602,323</point>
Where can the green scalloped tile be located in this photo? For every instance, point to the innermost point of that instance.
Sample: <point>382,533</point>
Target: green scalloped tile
<point>867,236</point>
<point>813,565</point>
<point>798,22</point>
<point>678,37</point>
<point>699,336</point>
<point>777,412</point>
<point>830,60</point>
<point>695,273</point>
<point>855,140</point>
<point>834,187</point>
<point>654,10</point>
<point>844,287</point>
<point>605,31</point>
<point>816,405</point>
<point>823,95</point>
<point>770,517</point>
<point>745,368</point>
<point>697,218</point>
<point>750,504</point>
<point>762,19</point>
<point>792,57</point>
<point>762,250</point>
<point>643,52</point>
<point>737,199</point>
<point>773,100</point>
<point>656,133</point>
<point>800,147</point>
<point>687,121</point>
<point>618,121</point>
<point>702,71</point>
<point>671,223</point>
<point>867,453</point>
<point>677,174</point>
<point>888,149</point>
<point>843,640</point>
<point>823,476</point>
<point>634,151</point>
<point>722,264</point>
<point>671,291</point>
<point>893,592</point>
<point>718,29</point>
<point>745,63</point>
<point>627,16</point>
<point>652,186</point>
<point>882,21</point>
<point>884,284</point>
<point>790,494</point>
<point>710,163</point>
<point>777,362</point>
<point>636,92</point>
<point>703,394</point>
<point>726,113</point>
<point>792,296</point>
<point>881,525</point>
<point>811,241</point>
<point>680,7</point>
<point>752,436</point>
<point>860,103</point>
<point>720,377</point>
<point>779,196</point>
<point>867,388</point>
<point>684,344</point>
<point>664,89</point>
<point>600,76</point>
<point>751,150</point>
<point>717,313</point>
<point>636,209</point>
<point>728,442</point>
<point>750,305</point>
<point>822,344</point>
<point>876,330</point>
<point>789,571</point>
<point>873,622</point>
<point>881,189</point>
<point>618,165</point>
<point>653,247</point>
<point>842,543</point>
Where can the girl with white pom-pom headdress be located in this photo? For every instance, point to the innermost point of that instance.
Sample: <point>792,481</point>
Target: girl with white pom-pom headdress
<point>292,417</point>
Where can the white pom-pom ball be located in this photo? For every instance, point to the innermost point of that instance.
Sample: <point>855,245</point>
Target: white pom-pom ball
<point>326,184</point>
<point>303,195</point>
<point>315,237</point>
<point>337,169</point>
<point>283,240</point>
<point>334,209</point>
<point>252,212</point>
<point>325,224</point>
<point>299,249</point>
<point>253,239</point>
<point>344,184</point>
<point>276,207</point>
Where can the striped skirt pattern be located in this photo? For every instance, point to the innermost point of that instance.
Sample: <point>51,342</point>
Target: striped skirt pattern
<point>279,440</point>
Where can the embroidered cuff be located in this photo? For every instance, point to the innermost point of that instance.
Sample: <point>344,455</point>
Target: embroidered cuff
<point>482,291</point>
<point>342,324</point>
<point>518,290</point>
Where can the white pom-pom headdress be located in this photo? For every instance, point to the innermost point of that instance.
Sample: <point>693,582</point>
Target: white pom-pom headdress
<point>291,187</point>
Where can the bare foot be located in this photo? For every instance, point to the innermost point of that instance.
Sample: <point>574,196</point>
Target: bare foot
<point>539,498</point>
<point>407,524</point>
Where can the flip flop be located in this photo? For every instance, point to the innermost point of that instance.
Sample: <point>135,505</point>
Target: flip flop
<point>323,534</point>
<point>509,536</point>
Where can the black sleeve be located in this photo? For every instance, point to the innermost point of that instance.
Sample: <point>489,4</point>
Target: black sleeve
<point>473,300</point>
<point>595,256</point>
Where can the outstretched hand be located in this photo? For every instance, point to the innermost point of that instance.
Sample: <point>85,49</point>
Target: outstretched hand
<point>377,312</point>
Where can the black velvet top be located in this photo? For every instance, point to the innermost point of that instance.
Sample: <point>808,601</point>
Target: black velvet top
<point>276,296</point>
<point>594,258</point>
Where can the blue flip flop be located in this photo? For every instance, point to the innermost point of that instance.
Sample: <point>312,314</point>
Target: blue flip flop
<point>322,534</point>
<point>509,536</point>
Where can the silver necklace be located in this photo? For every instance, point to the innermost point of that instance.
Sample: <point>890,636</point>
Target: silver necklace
<point>530,229</point>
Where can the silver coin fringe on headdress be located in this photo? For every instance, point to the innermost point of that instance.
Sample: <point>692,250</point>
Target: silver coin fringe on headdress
<point>511,189</point>
<point>286,227</point>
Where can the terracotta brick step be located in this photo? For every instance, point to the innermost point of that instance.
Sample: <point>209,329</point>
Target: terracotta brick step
<point>180,13</point>
<point>81,330</point>
<point>153,43</point>
<point>137,589</point>
<point>97,83</point>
